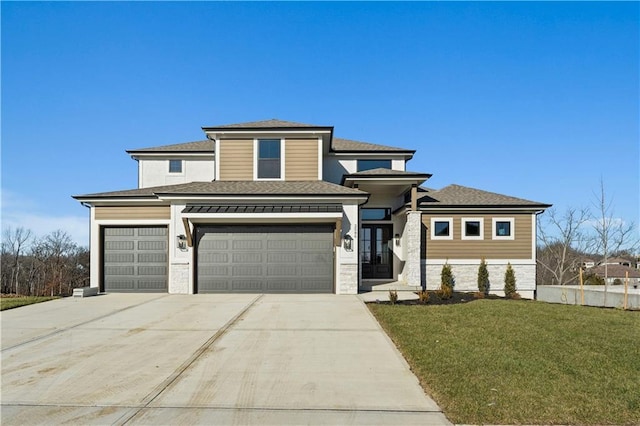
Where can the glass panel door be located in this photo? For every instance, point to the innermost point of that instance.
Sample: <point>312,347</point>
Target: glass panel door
<point>376,255</point>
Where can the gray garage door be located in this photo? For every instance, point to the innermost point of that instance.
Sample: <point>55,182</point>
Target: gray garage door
<point>135,259</point>
<point>265,259</point>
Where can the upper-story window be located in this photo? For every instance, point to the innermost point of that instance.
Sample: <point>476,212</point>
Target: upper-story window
<point>373,164</point>
<point>269,159</point>
<point>375,213</point>
<point>175,166</point>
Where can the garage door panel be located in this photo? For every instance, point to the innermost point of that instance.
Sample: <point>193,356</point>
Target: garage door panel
<point>214,245</point>
<point>135,259</point>
<point>282,270</point>
<point>115,284</point>
<point>282,257</point>
<point>152,245</point>
<point>119,257</point>
<point>247,257</point>
<point>268,258</point>
<point>152,232</point>
<point>253,285</point>
<point>250,244</point>
<point>247,270</point>
<point>157,284</point>
<point>119,232</point>
<point>282,245</point>
<point>119,245</point>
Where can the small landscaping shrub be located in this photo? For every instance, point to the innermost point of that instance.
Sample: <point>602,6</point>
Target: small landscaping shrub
<point>447,281</point>
<point>423,297</point>
<point>446,277</point>
<point>483,277</point>
<point>617,281</point>
<point>444,293</point>
<point>393,296</point>
<point>479,295</point>
<point>509,282</point>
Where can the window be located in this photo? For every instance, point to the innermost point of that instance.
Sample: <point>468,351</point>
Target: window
<point>373,164</point>
<point>175,166</point>
<point>472,228</point>
<point>269,159</point>
<point>442,228</point>
<point>503,228</point>
<point>375,214</point>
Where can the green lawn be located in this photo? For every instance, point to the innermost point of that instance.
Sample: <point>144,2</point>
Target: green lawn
<point>514,362</point>
<point>16,302</point>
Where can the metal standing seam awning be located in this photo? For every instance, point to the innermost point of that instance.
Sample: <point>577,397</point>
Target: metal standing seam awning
<point>332,211</point>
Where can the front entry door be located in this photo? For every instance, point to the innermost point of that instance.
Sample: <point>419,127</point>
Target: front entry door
<point>376,256</point>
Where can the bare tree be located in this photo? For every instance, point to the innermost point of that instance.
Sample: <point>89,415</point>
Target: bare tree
<point>563,241</point>
<point>14,243</point>
<point>611,234</point>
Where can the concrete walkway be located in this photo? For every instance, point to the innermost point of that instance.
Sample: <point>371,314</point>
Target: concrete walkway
<point>205,359</point>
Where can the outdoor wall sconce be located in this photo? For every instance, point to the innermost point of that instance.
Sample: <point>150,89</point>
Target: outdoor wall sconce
<point>397,238</point>
<point>347,242</point>
<point>182,242</point>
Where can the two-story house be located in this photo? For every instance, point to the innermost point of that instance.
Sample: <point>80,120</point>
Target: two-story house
<point>277,206</point>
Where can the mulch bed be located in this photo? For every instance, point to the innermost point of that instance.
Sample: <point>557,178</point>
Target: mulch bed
<point>455,299</point>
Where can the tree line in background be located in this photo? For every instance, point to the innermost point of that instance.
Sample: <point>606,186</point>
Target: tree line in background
<point>566,240</point>
<point>45,266</point>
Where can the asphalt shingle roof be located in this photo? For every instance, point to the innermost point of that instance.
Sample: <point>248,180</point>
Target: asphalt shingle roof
<point>348,145</point>
<point>272,123</point>
<point>463,196</point>
<point>387,172</point>
<point>615,271</point>
<point>245,188</point>
<point>196,146</point>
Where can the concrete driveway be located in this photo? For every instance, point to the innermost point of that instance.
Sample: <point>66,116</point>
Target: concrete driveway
<point>205,359</point>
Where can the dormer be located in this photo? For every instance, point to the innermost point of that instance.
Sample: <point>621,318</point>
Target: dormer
<point>269,150</point>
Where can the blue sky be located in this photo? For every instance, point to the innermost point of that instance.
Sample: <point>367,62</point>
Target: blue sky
<point>535,100</point>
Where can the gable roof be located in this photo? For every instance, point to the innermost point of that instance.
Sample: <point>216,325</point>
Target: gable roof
<point>463,196</point>
<point>337,144</point>
<point>348,145</point>
<point>204,146</point>
<point>239,188</point>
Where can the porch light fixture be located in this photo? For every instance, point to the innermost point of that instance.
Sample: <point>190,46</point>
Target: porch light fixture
<point>347,242</point>
<point>182,242</point>
<point>397,238</point>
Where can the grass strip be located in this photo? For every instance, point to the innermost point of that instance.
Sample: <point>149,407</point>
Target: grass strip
<point>16,302</point>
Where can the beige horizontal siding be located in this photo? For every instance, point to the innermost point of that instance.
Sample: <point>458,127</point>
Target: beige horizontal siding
<point>301,159</point>
<point>518,248</point>
<point>137,212</point>
<point>236,159</point>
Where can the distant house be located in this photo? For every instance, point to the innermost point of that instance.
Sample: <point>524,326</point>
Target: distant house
<point>277,206</point>
<point>615,272</point>
<point>618,261</point>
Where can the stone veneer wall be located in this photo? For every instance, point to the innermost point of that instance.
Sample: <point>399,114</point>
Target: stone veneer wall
<point>466,277</point>
<point>347,279</point>
<point>179,278</point>
<point>413,265</point>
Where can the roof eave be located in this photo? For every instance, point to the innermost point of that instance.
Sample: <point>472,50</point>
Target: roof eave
<point>483,206</point>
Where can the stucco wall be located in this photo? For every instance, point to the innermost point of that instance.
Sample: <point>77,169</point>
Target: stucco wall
<point>155,171</point>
